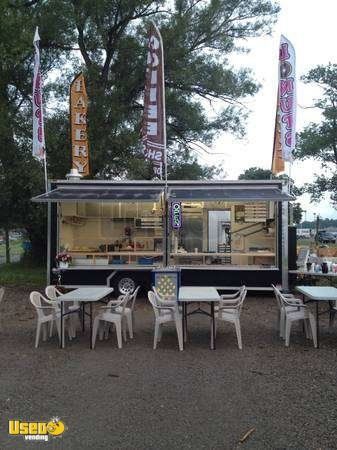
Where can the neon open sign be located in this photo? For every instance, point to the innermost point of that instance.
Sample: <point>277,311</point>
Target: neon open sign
<point>176,217</point>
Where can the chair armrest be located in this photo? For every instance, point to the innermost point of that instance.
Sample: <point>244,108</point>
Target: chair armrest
<point>294,301</point>
<point>234,301</point>
<point>58,292</point>
<point>113,304</point>
<point>296,304</point>
<point>169,304</point>
<point>170,308</point>
<point>108,309</point>
<point>51,309</point>
<point>45,307</point>
<point>227,307</point>
<point>230,296</point>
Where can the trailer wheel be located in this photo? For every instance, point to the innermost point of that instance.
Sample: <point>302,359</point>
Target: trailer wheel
<point>126,285</point>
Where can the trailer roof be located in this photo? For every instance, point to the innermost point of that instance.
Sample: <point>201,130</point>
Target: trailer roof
<point>169,182</point>
<point>230,194</point>
<point>86,191</point>
<point>96,193</point>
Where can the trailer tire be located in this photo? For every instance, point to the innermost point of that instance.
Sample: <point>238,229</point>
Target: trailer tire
<point>126,285</point>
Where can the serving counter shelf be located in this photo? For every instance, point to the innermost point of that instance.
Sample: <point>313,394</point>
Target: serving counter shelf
<point>120,267</point>
<point>81,257</point>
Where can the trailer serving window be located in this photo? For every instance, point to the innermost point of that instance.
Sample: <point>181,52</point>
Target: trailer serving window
<point>108,225</point>
<point>105,233</point>
<point>225,233</point>
<point>225,227</point>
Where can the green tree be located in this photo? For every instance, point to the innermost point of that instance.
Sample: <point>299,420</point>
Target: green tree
<point>256,173</point>
<point>21,176</point>
<point>198,36</point>
<point>297,213</point>
<point>110,38</point>
<point>318,141</point>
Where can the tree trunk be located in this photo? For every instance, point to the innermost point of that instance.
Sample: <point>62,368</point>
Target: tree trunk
<point>8,256</point>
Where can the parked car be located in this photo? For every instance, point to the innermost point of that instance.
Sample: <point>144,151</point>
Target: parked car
<point>303,233</point>
<point>14,235</point>
<point>325,237</point>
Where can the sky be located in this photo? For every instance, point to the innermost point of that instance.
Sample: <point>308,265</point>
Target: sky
<point>311,27</point>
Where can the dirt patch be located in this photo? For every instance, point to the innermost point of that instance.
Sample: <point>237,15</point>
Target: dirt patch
<point>137,398</point>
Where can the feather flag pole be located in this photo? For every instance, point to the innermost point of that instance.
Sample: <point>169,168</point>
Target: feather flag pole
<point>39,145</point>
<point>285,125</point>
<point>277,161</point>
<point>154,120</point>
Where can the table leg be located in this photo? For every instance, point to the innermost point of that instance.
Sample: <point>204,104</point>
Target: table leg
<point>332,313</point>
<point>317,324</point>
<point>90,309</point>
<point>213,327</point>
<point>83,315</point>
<point>61,326</point>
<point>185,322</point>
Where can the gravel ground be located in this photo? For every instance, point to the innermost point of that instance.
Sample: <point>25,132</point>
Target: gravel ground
<point>137,398</point>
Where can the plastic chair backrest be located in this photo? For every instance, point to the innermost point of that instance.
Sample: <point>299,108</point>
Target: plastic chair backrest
<point>152,299</point>
<point>2,293</point>
<point>242,297</point>
<point>278,294</point>
<point>35,299</point>
<point>162,298</point>
<point>134,297</point>
<point>123,300</point>
<point>51,292</point>
<point>127,300</point>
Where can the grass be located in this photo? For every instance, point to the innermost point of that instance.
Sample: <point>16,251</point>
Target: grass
<point>305,242</point>
<point>18,274</point>
<point>312,244</point>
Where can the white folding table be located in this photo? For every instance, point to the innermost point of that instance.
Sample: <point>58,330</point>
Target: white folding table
<point>318,294</point>
<point>198,294</point>
<point>82,295</point>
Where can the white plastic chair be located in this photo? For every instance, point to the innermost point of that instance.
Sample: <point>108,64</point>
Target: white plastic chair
<point>165,314</point>
<point>2,293</point>
<point>229,299</point>
<point>45,315</point>
<point>166,301</point>
<point>112,313</point>
<point>301,312</point>
<point>282,308</point>
<point>333,312</point>
<point>130,311</point>
<point>230,311</point>
<point>52,293</point>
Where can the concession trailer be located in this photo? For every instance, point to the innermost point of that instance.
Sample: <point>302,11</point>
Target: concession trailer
<point>216,233</point>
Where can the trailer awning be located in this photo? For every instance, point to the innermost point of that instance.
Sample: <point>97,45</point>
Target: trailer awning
<point>230,194</point>
<point>100,194</point>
